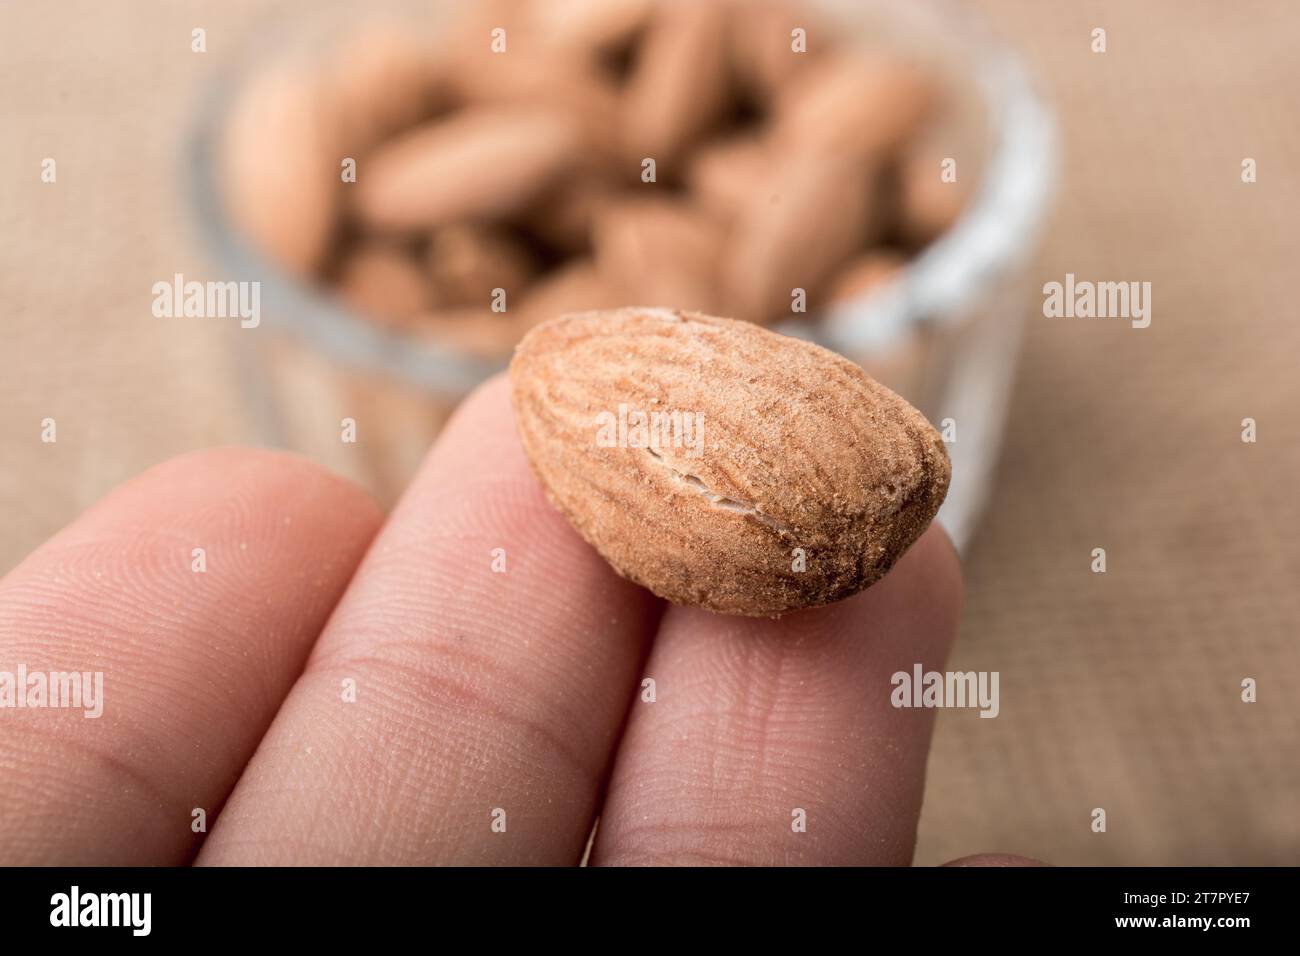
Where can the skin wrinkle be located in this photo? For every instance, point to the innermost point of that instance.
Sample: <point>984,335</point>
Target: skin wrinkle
<point>464,696</point>
<point>548,670</point>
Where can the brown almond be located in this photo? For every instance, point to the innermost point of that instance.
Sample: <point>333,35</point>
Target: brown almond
<point>562,216</point>
<point>382,80</point>
<point>816,213</point>
<point>679,85</point>
<point>927,206</point>
<point>475,164</point>
<point>762,45</point>
<point>590,28</point>
<point>468,261</point>
<point>575,88</point>
<point>726,174</point>
<point>799,481</point>
<point>865,273</point>
<point>577,285</point>
<point>384,282</point>
<point>663,252</point>
<point>280,167</point>
<point>854,107</point>
<point>478,332</point>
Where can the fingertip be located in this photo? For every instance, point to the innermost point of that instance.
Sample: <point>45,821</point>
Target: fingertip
<point>182,485</point>
<point>192,594</point>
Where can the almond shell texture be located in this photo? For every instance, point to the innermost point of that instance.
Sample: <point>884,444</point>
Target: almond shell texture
<point>794,479</point>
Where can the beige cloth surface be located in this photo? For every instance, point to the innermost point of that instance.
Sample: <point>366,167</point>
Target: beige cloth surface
<point>1119,691</point>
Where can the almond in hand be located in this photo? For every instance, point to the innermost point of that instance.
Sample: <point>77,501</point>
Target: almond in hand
<point>721,465</point>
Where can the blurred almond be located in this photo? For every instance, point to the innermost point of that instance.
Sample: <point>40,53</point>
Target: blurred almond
<point>678,88</point>
<point>927,206</point>
<point>479,332</point>
<point>476,164</point>
<point>562,216</point>
<point>853,106</point>
<point>383,79</point>
<point>661,251</point>
<point>725,175</point>
<point>815,215</point>
<point>467,261</point>
<point>280,167</point>
<point>384,282</point>
<point>575,286</point>
<point>565,85</point>
<point>591,27</point>
<point>865,273</point>
<point>761,47</point>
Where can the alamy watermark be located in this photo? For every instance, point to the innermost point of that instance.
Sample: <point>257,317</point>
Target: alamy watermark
<point>1098,300</point>
<point>208,300</point>
<point>636,428</point>
<point>946,689</point>
<point>74,908</point>
<point>73,690</point>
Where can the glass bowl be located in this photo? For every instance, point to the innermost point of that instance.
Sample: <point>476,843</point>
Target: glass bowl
<point>950,319</point>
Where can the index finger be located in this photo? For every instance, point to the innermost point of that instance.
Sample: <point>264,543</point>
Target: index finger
<point>490,654</point>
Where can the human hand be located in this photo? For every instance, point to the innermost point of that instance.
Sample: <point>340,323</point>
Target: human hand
<point>341,688</point>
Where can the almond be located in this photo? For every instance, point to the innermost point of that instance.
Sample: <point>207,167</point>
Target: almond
<point>864,274</point>
<point>478,332</point>
<point>662,251</point>
<point>593,27</point>
<point>853,107</point>
<point>816,212</point>
<point>562,216</point>
<point>724,175</point>
<point>679,87</point>
<point>573,87</point>
<point>280,167</point>
<point>381,80</point>
<point>384,282</point>
<point>475,164</point>
<point>928,206</point>
<point>576,285</point>
<point>799,481</point>
<point>467,261</point>
<point>763,57</point>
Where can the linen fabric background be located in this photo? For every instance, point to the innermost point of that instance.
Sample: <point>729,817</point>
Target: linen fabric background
<point>1118,690</point>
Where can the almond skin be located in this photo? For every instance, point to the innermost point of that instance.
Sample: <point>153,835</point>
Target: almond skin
<point>799,453</point>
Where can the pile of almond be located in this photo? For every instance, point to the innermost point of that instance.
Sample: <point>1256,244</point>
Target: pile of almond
<point>536,157</point>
